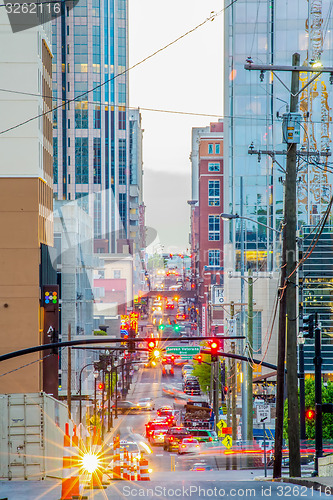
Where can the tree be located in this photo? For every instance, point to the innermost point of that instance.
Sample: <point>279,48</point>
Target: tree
<point>327,396</point>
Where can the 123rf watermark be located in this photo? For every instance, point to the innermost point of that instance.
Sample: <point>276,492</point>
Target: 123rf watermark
<point>25,14</point>
<point>283,491</point>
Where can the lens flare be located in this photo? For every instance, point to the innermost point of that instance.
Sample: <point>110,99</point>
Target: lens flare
<point>90,462</point>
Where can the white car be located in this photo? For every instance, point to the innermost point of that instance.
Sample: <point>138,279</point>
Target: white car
<point>189,445</point>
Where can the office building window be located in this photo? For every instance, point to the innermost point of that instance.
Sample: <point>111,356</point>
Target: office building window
<point>117,274</point>
<point>55,160</point>
<point>81,160</point>
<point>97,117</point>
<point>97,160</point>
<point>83,201</point>
<point>122,120</point>
<point>122,93</point>
<point>122,9</point>
<point>122,161</point>
<point>214,258</point>
<point>217,149</point>
<point>213,167</point>
<point>210,149</point>
<point>121,46</point>
<point>97,215</point>
<point>213,227</point>
<point>213,193</point>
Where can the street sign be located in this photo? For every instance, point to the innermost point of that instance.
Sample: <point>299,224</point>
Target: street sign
<point>226,430</point>
<point>232,326</point>
<point>227,441</point>
<point>263,414</point>
<point>217,295</point>
<point>221,423</point>
<point>186,352</point>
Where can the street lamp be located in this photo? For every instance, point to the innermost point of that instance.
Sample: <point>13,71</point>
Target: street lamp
<point>80,389</point>
<point>227,217</point>
<point>247,381</point>
<point>96,374</point>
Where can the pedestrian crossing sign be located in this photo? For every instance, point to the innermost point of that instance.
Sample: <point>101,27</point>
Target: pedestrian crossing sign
<point>221,424</point>
<point>227,441</point>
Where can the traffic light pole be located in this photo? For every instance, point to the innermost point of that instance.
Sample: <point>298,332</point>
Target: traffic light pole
<point>301,390</point>
<point>318,398</point>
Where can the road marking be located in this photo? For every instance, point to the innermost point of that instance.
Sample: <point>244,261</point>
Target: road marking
<point>160,455</point>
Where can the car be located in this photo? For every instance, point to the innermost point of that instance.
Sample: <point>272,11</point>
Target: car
<point>164,411</point>
<point>130,447</point>
<point>204,435</point>
<point>170,305</point>
<point>188,445</point>
<point>186,368</point>
<point>173,437</point>
<point>156,425</point>
<point>157,436</point>
<point>146,404</point>
<point>125,407</point>
<point>201,467</point>
<point>180,316</point>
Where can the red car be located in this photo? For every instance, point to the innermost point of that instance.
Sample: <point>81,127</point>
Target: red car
<point>156,425</point>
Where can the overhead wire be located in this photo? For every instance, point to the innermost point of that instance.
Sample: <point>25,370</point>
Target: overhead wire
<point>212,16</point>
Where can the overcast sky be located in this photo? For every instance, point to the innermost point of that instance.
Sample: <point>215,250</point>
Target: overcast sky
<point>184,77</point>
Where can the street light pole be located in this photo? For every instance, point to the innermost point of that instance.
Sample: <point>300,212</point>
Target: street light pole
<point>80,390</point>
<point>242,262</point>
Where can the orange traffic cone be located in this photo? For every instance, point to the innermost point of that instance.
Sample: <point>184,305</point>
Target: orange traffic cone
<point>67,484</point>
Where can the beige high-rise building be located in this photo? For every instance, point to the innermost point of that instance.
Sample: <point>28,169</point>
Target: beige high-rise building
<point>26,198</point>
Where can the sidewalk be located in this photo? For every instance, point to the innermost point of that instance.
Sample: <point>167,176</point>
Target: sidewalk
<point>322,484</point>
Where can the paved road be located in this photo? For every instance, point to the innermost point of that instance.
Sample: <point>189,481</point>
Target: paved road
<point>213,485</point>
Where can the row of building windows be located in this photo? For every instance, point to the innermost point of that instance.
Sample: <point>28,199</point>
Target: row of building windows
<point>214,193</point>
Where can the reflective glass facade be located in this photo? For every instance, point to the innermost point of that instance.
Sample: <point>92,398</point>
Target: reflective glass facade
<point>270,31</point>
<point>92,133</point>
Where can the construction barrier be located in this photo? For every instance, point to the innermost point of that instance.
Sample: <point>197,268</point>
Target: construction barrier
<point>116,459</point>
<point>144,470</point>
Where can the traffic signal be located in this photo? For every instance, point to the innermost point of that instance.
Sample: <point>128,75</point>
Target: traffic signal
<point>176,327</point>
<point>151,345</point>
<point>101,386</point>
<point>161,328</point>
<point>198,358</point>
<point>131,343</point>
<point>308,326</point>
<point>214,349</point>
<point>310,414</point>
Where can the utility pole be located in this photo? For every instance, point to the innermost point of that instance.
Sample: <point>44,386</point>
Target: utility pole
<point>69,373</point>
<point>249,365</point>
<point>233,404</point>
<point>290,291</point>
<point>318,396</point>
<point>280,373</point>
<point>242,316</point>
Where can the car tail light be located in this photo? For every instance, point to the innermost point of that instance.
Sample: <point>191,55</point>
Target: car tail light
<point>171,438</point>
<point>183,446</point>
<point>210,439</point>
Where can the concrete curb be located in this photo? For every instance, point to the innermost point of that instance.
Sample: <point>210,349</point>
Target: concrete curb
<point>314,483</point>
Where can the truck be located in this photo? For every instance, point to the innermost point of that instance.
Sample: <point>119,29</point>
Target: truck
<point>198,415</point>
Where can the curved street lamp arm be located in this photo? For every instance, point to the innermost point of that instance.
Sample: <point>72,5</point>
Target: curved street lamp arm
<point>261,224</point>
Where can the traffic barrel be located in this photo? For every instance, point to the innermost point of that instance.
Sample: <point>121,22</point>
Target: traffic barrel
<point>67,483</point>
<point>132,469</point>
<point>144,470</point>
<point>116,458</point>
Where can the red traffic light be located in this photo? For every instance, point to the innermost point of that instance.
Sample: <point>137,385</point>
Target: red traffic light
<point>199,359</point>
<point>101,386</point>
<point>151,344</point>
<point>213,345</point>
<point>310,414</point>
<point>214,349</point>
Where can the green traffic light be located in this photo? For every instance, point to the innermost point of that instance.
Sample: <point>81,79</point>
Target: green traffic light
<point>176,328</point>
<point>161,327</point>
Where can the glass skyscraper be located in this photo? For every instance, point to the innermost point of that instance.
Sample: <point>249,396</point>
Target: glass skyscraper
<point>270,31</point>
<point>91,133</point>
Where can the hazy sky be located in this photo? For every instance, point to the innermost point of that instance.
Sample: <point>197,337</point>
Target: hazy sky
<point>184,77</point>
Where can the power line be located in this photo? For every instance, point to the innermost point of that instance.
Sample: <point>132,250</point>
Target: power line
<point>212,16</point>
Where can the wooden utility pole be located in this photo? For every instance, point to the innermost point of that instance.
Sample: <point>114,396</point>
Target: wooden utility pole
<point>69,373</point>
<point>280,374</point>
<point>249,436</point>
<point>290,292</point>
